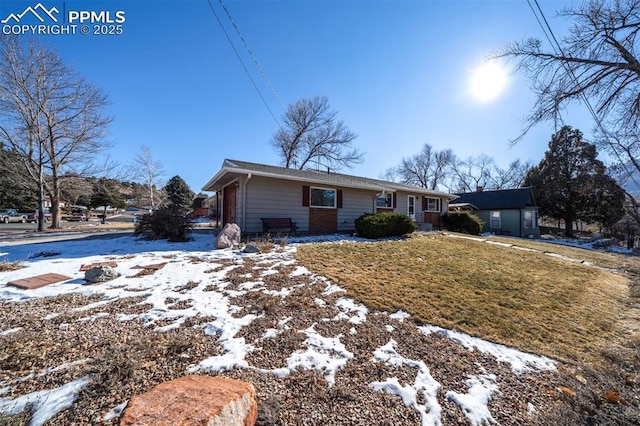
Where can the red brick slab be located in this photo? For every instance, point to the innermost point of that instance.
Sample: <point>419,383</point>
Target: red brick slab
<point>155,266</point>
<point>93,265</point>
<point>38,281</point>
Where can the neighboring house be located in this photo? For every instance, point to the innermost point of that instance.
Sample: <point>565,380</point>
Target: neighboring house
<point>504,212</point>
<point>199,208</point>
<point>317,201</point>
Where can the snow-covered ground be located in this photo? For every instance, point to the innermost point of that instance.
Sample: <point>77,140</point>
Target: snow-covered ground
<point>326,354</point>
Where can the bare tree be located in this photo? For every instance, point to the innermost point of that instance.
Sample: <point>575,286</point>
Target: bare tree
<point>471,173</point>
<point>427,169</point>
<point>49,115</point>
<point>597,61</point>
<point>148,171</point>
<point>390,175</point>
<point>510,177</point>
<point>311,132</point>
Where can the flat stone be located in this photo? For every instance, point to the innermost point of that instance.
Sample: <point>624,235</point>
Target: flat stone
<point>194,400</point>
<point>38,281</point>
<point>154,266</point>
<point>88,266</point>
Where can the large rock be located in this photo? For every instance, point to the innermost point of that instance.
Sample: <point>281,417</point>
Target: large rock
<point>229,236</point>
<point>194,400</point>
<point>100,274</point>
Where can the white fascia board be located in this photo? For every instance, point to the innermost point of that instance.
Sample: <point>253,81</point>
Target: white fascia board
<point>226,170</point>
<point>214,179</point>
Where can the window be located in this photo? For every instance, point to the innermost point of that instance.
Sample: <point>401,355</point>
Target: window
<point>322,197</point>
<point>384,200</point>
<point>495,219</point>
<point>432,204</point>
<point>529,219</point>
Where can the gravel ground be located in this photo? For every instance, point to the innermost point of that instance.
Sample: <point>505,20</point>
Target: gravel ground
<point>125,358</point>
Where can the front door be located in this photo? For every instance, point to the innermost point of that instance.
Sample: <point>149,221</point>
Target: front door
<point>411,207</point>
<point>229,204</point>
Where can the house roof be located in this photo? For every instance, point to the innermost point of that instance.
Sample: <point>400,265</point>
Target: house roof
<point>518,198</point>
<point>231,167</point>
<point>463,205</point>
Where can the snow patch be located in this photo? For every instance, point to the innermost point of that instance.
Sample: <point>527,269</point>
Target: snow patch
<point>424,385</point>
<point>400,316</point>
<point>324,354</point>
<point>44,404</point>
<point>474,403</point>
<point>521,362</point>
<point>332,288</point>
<point>236,348</point>
<point>300,270</point>
<point>347,307</point>
<point>93,317</point>
<point>115,411</point>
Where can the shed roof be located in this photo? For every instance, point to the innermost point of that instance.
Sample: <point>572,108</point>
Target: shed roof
<point>313,176</point>
<point>518,198</point>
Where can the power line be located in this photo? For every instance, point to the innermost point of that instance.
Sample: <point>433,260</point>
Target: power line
<point>253,57</point>
<point>255,86</point>
<point>555,45</point>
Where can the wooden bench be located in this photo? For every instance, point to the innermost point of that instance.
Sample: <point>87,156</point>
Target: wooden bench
<point>270,224</point>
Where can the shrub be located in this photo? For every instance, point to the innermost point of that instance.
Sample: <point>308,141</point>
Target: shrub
<point>164,223</point>
<point>384,225</point>
<point>6,265</point>
<point>464,222</point>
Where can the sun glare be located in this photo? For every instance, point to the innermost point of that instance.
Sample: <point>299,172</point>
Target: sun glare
<point>488,81</point>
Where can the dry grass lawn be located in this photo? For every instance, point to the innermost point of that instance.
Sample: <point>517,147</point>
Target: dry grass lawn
<point>521,298</point>
<point>606,260</point>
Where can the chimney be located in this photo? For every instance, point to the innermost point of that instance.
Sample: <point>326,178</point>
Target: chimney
<point>479,188</point>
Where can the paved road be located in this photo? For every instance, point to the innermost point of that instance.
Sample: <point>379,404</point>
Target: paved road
<point>19,228</point>
<point>19,233</point>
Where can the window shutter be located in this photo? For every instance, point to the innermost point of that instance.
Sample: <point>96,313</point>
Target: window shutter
<point>395,200</point>
<point>339,199</point>
<point>424,204</point>
<point>305,196</point>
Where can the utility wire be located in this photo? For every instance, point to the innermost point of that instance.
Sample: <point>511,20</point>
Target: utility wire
<point>255,86</point>
<point>555,45</point>
<point>253,57</point>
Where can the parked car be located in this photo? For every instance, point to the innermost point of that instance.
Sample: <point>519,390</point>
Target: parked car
<point>32,216</point>
<point>12,215</point>
<point>77,217</point>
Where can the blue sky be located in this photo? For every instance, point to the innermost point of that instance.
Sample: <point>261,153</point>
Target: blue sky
<point>397,72</point>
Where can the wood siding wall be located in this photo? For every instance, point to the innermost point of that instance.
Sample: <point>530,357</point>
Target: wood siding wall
<point>269,197</point>
<point>421,217</point>
<point>509,223</point>
<point>355,203</point>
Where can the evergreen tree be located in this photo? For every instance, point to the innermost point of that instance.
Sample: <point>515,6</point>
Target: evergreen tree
<point>180,196</point>
<point>571,184</point>
<point>106,192</point>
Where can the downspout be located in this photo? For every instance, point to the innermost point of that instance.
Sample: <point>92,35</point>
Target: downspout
<point>244,201</point>
<point>521,233</point>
